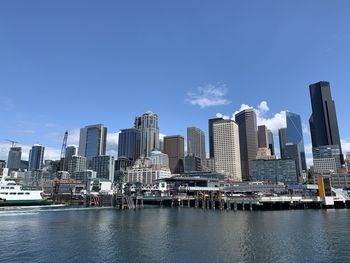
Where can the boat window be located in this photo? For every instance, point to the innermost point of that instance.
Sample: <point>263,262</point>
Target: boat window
<point>13,193</point>
<point>20,193</point>
<point>7,188</point>
<point>3,193</point>
<point>27,193</point>
<point>12,188</point>
<point>2,187</point>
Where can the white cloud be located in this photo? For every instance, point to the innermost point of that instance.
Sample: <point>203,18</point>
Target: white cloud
<point>73,137</point>
<point>263,107</point>
<point>345,144</point>
<point>219,115</point>
<point>208,96</point>
<point>161,136</point>
<point>306,130</point>
<point>112,144</point>
<point>273,122</point>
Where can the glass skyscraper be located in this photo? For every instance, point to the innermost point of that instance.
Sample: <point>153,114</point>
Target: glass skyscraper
<point>323,121</point>
<point>196,143</point>
<point>14,158</point>
<point>92,141</point>
<point>129,144</point>
<point>295,136</point>
<point>36,157</point>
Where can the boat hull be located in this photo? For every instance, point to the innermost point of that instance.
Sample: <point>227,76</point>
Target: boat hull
<point>24,202</point>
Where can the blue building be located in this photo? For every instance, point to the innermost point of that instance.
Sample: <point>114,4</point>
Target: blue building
<point>275,171</point>
<point>92,141</point>
<point>295,136</point>
<point>129,144</point>
<point>36,157</point>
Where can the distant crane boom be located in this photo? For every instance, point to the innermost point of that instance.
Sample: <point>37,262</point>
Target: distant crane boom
<point>64,145</point>
<point>63,160</point>
<point>11,141</point>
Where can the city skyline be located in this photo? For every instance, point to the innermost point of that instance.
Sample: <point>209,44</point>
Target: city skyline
<point>231,61</point>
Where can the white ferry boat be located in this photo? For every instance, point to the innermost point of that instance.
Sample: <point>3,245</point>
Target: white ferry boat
<point>12,194</point>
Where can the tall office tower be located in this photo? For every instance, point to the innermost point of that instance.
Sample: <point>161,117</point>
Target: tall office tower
<point>271,142</point>
<point>149,133</point>
<point>174,148</point>
<point>211,136</point>
<point>227,150</point>
<point>295,136</point>
<point>36,157</point>
<point>263,137</point>
<point>71,150</point>
<point>323,120</point>
<point>92,141</point>
<point>196,143</point>
<point>292,151</point>
<point>103,166</point>
<point>14,158</point>
<point>77,164</point>
<point>193,163</point>
<point>248,141</point>
<point>282,135</point>
<point>129,144</point>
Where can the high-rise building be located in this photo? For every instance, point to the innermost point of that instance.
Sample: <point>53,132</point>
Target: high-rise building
<point>159,160</point>
<point>196,143</point>
<point>174,148</point>
<point>129,144</point>
<point>227,149</point>
<point>328,152</point>
<point>14,158</point>
<point>149,133</point>
<point>323,121</point>
<point>271,142</point>
<point>76,164</point>
<point>282,135</point>
<point>263,136</point>
<point>248,140</point>
<point>295,136</point>
<point>211,136</point>
<point>292,151</point>
<point>92,141</point>
<point>193,163</point>
<point>275,171</point>
<point>103,165</point>
<point>71,150</point>
<point>36,157</point>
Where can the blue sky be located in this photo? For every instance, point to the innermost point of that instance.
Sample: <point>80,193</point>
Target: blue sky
<point>67,64</point>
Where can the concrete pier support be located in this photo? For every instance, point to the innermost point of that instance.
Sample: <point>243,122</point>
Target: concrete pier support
<point>235,206</point>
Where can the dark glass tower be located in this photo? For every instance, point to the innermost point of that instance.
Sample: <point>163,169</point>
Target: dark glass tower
<point>323,121</point>
<point>282,135</point>
<point>248,140</point>
<point>271,143</point>
<point>295,136</point>
<point>211,136</point>
<point>129,144</point>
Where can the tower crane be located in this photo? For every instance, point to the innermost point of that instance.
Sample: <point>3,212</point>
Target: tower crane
<point>11,141</point>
